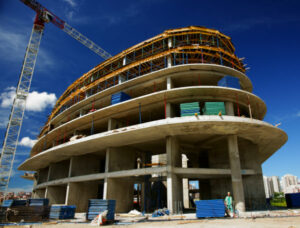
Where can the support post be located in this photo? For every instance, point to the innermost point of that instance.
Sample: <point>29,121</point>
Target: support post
<point>229,108</point>
<point>236,176</point>
<point>169,83</point>
<point>174,182</point>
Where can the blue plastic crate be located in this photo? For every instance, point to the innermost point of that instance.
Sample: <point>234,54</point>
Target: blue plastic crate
<point>210,208</point>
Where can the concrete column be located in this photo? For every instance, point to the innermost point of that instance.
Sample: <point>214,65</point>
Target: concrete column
<point>185,184</point>
<point>71,166</point>
<point>229,108</point>
<point>81,112</point>
<point>169,83</point>
<point>236,176</point>
<point>114,124</point>
<point>49,172</point>
<point>121,79</point>
<point>124,61</point>
<point>170,42</point>
<point>170,110</point>
<point>174,183</point>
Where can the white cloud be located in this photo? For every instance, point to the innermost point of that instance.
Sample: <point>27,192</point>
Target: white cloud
<point>39,101</point>
<point>7,97</point>
<point>71,2</point>
<point>298,114</point>
<point>28,142</point>
<point>13,47</point>
<point>36,101</point>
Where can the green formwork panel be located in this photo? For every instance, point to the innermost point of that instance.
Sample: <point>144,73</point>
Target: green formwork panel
<point>214,108</point>
<point>189,105</point>
<point>189,114</point>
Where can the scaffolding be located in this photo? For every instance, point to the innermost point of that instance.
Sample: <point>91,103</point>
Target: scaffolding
<point>173,47</point>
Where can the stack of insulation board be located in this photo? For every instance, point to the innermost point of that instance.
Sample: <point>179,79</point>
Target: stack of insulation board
<point>62,212</point>
<point>210,208</point>
<point>96,206</point>
<point>38,202</point>
<point>229,81</point>
<point>292,200</point>
<point>189,109</point>
<point>214,108</point>
<point>19,203</point>
<point>7,203</point>
<point>119,97</point>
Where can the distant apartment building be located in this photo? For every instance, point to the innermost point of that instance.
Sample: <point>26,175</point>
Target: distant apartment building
<point>290,184</point>
<point>271,185</point>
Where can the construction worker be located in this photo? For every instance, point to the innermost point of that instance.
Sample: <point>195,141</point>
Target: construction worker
<point>228,204</point>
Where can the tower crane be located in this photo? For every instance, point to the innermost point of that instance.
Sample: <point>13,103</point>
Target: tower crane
<point>10,143</point>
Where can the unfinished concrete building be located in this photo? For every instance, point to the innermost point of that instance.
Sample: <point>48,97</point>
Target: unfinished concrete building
<point>142,151</point>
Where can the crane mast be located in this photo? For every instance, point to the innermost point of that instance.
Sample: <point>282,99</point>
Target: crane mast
<point>18,108</point>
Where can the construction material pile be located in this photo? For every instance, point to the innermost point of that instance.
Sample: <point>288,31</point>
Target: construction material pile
<point>214,108</point>
<point>97,206</point>
<point>189,109</point>
<point>229,81</point>
<point>210,208</point>
<point>62,212</point>
<point>24,210</point>
<point>119,97</point>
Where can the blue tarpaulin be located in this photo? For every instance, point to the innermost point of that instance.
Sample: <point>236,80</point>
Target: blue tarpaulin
<point>210,208</point>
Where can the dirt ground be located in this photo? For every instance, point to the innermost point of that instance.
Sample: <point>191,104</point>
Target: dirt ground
<point>280,222</point>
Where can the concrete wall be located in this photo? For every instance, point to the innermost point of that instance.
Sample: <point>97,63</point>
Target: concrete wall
<point>218,158</point>
<point>253,184</point>
<point>39,193</point>
<point>43,175</point>
<point>121,190</point>
<point>122,158</point>
<point>56,194</point>
<point>59,170</point>
<point>79,193</point>
<point>86,164</point>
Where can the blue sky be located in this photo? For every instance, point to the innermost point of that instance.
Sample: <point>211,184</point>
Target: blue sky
<point>267,33</point>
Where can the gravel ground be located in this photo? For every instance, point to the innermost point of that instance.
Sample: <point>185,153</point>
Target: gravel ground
<point>280,222</point>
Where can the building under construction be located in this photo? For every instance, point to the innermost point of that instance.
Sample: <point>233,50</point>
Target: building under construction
<point>139,127</point>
